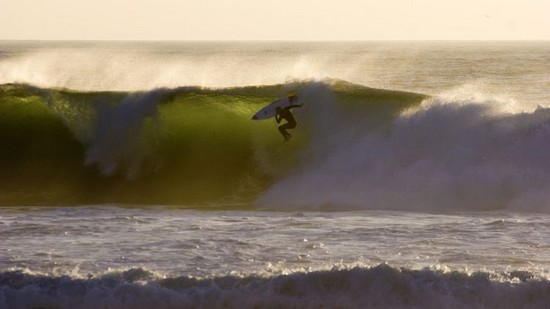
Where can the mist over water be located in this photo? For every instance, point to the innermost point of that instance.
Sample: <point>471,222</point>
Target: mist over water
<point>513,70</point>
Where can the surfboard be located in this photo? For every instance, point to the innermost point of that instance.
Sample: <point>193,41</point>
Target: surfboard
<point>269,110</point>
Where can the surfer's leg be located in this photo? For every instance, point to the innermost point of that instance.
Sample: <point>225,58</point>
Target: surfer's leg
<point>288,136</point>
<point>290,125</point>
<point>283,131</point>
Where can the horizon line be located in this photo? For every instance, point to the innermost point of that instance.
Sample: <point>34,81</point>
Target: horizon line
<point>276,40</point>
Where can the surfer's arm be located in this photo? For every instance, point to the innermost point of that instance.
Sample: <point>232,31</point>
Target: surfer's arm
<point>278,117</point>
<point>293,106</point>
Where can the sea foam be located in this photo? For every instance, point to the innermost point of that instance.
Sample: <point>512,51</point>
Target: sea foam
<point>373,287</point>
<point>445,154</point>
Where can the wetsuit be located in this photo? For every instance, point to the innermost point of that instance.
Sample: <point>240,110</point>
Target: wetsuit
<point>284,113</point>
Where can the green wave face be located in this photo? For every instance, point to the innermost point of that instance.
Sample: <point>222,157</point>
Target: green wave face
<point>167,146</point>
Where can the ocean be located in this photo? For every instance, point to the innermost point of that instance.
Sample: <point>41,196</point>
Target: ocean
<point>132,175</point>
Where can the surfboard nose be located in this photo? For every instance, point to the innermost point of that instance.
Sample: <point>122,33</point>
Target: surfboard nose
<point>254,117</point>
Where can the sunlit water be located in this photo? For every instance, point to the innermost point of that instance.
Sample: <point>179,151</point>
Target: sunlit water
<point>95,239</point>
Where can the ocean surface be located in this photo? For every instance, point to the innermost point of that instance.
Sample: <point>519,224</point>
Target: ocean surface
<point>132,175</point>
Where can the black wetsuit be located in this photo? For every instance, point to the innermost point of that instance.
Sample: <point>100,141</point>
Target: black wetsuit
<point>286,115</point>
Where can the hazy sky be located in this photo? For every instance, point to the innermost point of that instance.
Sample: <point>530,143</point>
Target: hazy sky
<point>275,20</point>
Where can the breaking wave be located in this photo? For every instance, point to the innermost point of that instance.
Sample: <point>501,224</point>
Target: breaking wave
<point>442,155</point>
<point>376,287</point>
<point>354,147</point>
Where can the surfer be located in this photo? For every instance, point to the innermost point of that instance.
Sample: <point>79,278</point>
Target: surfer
<point>284,113</point>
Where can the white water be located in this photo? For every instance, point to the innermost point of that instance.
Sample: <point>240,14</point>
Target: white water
<point>152,254</point>
<point>94,239</point>
<point>446,155</point>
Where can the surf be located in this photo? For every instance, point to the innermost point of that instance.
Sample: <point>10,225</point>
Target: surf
<point>167,145</point>
<point>355,147</point>
<point>377,286</point>
<point>442,155</point>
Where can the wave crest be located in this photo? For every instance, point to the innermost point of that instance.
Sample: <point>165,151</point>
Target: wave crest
<point>379,286</point>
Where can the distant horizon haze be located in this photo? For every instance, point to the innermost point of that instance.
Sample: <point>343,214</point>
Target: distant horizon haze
<point>283,20</point>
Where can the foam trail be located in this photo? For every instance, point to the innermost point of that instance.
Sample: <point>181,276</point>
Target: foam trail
<point>442,156</point>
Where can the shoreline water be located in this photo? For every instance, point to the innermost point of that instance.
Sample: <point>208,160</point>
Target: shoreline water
<point>89,256</point>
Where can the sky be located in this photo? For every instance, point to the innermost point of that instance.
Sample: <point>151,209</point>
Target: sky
<point>274,20</point>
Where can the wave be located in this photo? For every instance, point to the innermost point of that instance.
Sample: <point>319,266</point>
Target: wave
<point>375,287</point>
<point>164,146</point>
<point>354,148</point>
<point>446,154</point>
